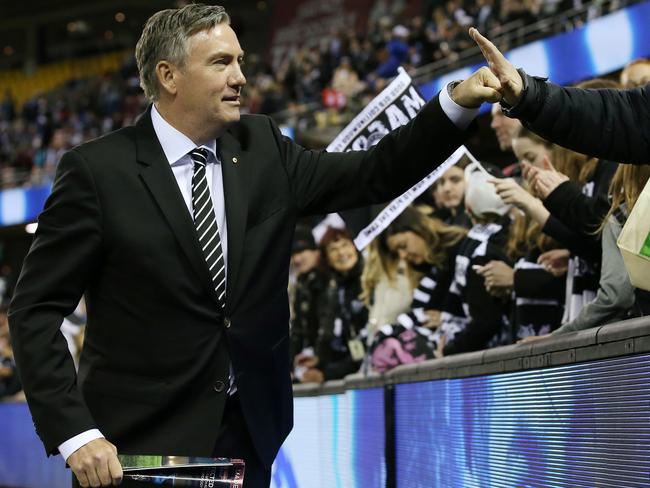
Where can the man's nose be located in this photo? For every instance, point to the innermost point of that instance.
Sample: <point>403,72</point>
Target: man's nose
<point>238,78</point>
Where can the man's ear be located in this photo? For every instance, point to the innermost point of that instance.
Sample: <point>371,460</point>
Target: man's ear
<point>167,73</point>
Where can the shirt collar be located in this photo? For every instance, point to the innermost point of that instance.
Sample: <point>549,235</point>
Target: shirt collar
<point>175,144</point>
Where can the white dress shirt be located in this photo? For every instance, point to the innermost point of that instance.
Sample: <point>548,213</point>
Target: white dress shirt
<point>176,147</point>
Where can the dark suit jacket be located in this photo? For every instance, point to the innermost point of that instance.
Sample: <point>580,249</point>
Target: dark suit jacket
<point>605,123</point>
<point>157,347</point>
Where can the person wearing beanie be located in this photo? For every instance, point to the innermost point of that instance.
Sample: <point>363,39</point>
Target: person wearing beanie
<point>472,319</point>
<point>310,283</point>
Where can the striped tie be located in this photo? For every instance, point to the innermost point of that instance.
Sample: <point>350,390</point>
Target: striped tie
<point>205,223</point>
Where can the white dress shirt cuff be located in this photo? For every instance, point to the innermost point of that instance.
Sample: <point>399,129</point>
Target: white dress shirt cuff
<point>78,441</point>
<point>460,116</point>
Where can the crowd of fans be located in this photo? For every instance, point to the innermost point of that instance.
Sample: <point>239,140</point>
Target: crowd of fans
<point>481,260</point>
<point>486,257</point>
<point>339,77</point>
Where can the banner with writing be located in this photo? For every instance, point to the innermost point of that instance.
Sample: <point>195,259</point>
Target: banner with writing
<point>395,106</point>
<point>397,206</point>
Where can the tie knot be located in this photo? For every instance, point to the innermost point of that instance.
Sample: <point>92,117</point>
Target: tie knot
<point>199,156</point>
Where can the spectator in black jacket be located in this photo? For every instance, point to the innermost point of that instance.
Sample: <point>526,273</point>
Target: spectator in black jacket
<point>472,318</point>
<point>609,124</point>
<point>339,348</point>
<point>310,283</point>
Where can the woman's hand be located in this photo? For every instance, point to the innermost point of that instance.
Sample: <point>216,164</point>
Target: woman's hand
<point>555,261</point>
<point>512,193</point>
<point>313,375</point>
<point>499,277</point>
<point>529,339</point>
<point>433,319</point>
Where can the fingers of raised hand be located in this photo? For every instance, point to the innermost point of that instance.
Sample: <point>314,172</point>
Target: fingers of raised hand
<point>489,50</point>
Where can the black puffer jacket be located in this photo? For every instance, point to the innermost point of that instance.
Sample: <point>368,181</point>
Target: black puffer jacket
<point>604,123</point>
<point>304,326</point>
<point>342,318</point>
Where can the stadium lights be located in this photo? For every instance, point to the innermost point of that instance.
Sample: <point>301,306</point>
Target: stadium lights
<point>31,227</point>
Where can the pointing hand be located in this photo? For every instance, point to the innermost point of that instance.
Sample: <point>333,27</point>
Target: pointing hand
<point>506,73</point>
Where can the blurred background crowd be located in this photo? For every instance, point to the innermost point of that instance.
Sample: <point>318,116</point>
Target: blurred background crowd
<point>479,260</point>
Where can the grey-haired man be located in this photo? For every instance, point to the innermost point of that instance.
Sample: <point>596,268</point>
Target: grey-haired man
<point>178,230</point>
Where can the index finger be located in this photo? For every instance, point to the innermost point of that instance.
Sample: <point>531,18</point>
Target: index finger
<point>489,50</point>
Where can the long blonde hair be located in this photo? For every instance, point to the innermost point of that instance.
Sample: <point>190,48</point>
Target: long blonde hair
<point>626,187</point>
<point>380,264</point>
<point>525,235</point>
<point>381,261</point>
<point>579,167</point>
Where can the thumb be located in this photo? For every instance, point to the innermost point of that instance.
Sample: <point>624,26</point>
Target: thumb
<point>488,94</point>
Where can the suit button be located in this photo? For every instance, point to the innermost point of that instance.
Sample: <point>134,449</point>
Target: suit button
<point>219,386</point>
<point>226,323</point>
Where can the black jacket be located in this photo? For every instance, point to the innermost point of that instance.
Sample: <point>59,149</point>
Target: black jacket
<point>304,326</point>
<point>157,344</point>
<point>472,319</point>
<point>342,317</point>
<point>604,123</point>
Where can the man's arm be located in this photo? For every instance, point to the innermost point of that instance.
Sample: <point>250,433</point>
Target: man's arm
<point>329,182</point>
<point>605,123</point>
<point>54,276</point>
<point>60,264</point>
<point>609,124</point>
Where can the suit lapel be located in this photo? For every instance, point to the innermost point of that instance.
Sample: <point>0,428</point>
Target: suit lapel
<point>236,198</point>
<point>157,175</point>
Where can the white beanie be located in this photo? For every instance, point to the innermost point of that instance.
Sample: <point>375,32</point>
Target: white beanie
<point>480,196</point>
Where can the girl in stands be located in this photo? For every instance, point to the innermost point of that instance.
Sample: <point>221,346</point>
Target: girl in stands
<point>449,190</point>
<point>429,247</point>
<point>472,318</point>
<point>388,282</point>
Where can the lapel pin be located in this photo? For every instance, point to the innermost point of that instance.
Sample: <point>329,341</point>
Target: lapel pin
<point>234,160</point>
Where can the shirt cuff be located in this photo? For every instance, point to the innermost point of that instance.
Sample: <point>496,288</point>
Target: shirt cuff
<point>78,441</point>
<point>460,116</point>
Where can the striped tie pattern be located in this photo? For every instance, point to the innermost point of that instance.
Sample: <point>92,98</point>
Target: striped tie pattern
<point>205,223</point>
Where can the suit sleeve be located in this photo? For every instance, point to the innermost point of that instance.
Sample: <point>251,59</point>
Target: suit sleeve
<point>605,123</point>
<point>325,182</point>
<point>55,273</point>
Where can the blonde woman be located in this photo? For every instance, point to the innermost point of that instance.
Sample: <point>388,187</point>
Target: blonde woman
<point>387,283</point>
<point>429,247</point>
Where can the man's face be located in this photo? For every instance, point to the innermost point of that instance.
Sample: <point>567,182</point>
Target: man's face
<point>636,75</point>
<point>342,255</point>
<point>504,127</point>
<point>209,84</point>
<point>451,187</point>
<point>304,261</point>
